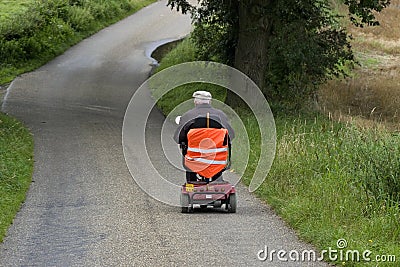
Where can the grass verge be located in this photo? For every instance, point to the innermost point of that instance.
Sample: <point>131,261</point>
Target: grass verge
<point>37,31</point>
<point>16,165</point>
<point>329,180</point>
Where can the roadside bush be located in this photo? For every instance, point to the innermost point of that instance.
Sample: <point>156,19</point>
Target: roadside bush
<point>98,11</point>
<point>10,50</point>
<point>26,36</point>
<point>80,18</point>
<point>113,9</point>
<point>45,28</point>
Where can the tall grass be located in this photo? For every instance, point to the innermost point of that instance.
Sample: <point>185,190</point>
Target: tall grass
<point>366,95</point>
<point>329,180</point>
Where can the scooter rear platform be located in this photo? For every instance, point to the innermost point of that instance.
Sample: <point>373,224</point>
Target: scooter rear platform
<point>213,194</point>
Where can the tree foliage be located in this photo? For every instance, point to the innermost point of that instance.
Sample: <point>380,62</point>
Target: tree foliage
<point>361,12</point>
<point>305,42</point>
<point>307,47</point>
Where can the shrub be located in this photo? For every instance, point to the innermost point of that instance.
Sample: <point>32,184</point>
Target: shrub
<point>46,27</point>
<point>80,18</point>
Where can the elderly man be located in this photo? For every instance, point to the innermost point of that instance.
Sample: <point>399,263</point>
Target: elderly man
<point>195,118</point>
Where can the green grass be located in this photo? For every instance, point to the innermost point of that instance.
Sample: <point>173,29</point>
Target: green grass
<point>8,8</point>
<point>329,180</point>
<point>16,165</point>
<point>34,32</point>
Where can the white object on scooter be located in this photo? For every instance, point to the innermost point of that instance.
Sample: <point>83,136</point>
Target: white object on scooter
<point>177,119</point>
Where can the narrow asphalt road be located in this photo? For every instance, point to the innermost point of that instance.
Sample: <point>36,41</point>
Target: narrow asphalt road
<point>83,207</point>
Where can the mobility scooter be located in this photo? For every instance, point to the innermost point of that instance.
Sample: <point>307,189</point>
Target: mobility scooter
<point>207,155</point>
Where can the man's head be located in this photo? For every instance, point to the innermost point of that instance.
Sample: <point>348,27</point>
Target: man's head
<point>202,97</point>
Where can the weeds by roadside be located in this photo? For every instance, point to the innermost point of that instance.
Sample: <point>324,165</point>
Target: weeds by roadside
<point>16,165</point>
<point>332,181</point>
<point>41,30</point>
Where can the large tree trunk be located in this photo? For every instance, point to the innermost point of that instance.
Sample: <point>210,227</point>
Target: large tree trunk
<point>253,37</point>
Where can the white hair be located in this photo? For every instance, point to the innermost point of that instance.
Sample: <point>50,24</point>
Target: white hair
<point>198,101</point>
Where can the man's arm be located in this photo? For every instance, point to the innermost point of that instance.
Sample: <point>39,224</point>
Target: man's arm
<point>181,131</point>
<point>177,133</point>
<point>227,125</point>
<point>231,132</point>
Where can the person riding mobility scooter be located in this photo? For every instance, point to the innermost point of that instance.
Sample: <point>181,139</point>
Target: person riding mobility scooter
<point>204,135</point>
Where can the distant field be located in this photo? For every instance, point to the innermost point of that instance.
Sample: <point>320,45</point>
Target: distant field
<point>372,94</point>
<point>10,7</point>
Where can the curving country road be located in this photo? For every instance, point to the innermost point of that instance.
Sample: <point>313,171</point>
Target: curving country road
<point>83,207</point>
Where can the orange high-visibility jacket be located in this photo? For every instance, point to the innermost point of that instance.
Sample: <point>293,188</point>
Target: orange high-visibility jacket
<point>207,152</point>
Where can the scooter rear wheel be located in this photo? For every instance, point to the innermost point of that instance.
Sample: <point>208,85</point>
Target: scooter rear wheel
<point>185,203</point>
<point>232,203</point>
